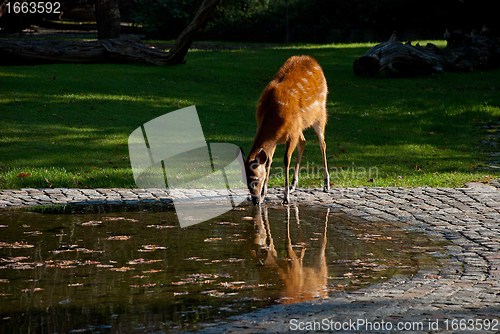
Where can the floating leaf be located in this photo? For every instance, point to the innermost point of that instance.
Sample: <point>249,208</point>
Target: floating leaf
<point>121,269</point>
<point>196,258</point>
<point>63,250</point>
<point>14,259</point>
<point>33,233</point>
<point>140,276</point>
<point>146,285</point>
<point>143,261</point>
<point>92,223</point>
<point>31,290</point>
<point>212,239</point>
<point>88,251</point>
<point>181,293</point>
<point>179,283</point>
<point>16,244</point>
<point>230,284</point>
<point>227,223</point>
<point>214,293</point>
<point>161,227</point>
<point>62,264</point>
<point>119,237</point>
<point>239,240</point>
<point>152,271</point>
<point>234,260</point>
<point>24,265</point>
<point>151,248</point>
<point>114,219</point>
<point>204,276</point>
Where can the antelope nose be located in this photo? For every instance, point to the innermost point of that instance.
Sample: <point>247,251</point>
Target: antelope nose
<point>256,200</point>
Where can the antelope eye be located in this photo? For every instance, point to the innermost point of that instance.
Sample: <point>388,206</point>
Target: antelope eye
<point>253,181</point>
<point>254,165</point>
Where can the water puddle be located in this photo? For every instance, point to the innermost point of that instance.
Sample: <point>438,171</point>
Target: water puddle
<point>140,272</point>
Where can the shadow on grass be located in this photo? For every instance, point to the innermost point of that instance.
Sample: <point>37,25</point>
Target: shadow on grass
<point>76,118</point>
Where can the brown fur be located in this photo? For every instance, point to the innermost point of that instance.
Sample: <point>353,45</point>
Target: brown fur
<point>293,101</point>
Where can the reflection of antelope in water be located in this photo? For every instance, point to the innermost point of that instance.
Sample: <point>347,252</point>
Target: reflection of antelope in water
<point>300,282</point>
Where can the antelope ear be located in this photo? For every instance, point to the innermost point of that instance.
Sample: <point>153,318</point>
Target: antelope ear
<point>261,157</point>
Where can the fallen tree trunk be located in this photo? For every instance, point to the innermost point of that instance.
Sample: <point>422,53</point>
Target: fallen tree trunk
<point>13,51</point>
<point>462,53</point>
<point>20,52</point>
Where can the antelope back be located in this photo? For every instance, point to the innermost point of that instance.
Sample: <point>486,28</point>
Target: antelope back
<point>296,96</point>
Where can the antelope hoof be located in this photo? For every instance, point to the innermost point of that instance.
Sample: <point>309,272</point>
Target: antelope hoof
<point>256,200</point>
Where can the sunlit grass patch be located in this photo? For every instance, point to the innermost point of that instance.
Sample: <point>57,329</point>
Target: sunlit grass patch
<point>67,125</point>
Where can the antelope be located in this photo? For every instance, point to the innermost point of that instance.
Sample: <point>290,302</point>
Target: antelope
<point>293,101</point>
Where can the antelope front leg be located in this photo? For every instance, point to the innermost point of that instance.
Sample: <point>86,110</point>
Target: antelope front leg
<point>286,195</point>
<point>264,187</point>
<point>268,172</point>
<point>300,150</point>
<point>290,147</point>
<point>326,186</point>
<point>319,128</point>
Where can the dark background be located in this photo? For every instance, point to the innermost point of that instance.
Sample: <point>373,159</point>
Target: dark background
<point>315,21</point>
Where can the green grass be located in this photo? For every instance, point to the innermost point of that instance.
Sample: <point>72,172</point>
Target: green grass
<point>67,125</point>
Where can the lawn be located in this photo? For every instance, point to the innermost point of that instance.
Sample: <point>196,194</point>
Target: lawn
<point>67,125</point>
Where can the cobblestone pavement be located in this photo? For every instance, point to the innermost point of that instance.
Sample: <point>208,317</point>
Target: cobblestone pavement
<point>463,293</point>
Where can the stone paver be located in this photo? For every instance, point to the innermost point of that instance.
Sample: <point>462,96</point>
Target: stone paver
<point>462,294</point>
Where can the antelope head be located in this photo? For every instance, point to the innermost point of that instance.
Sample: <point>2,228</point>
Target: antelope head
<point>257,176</point>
